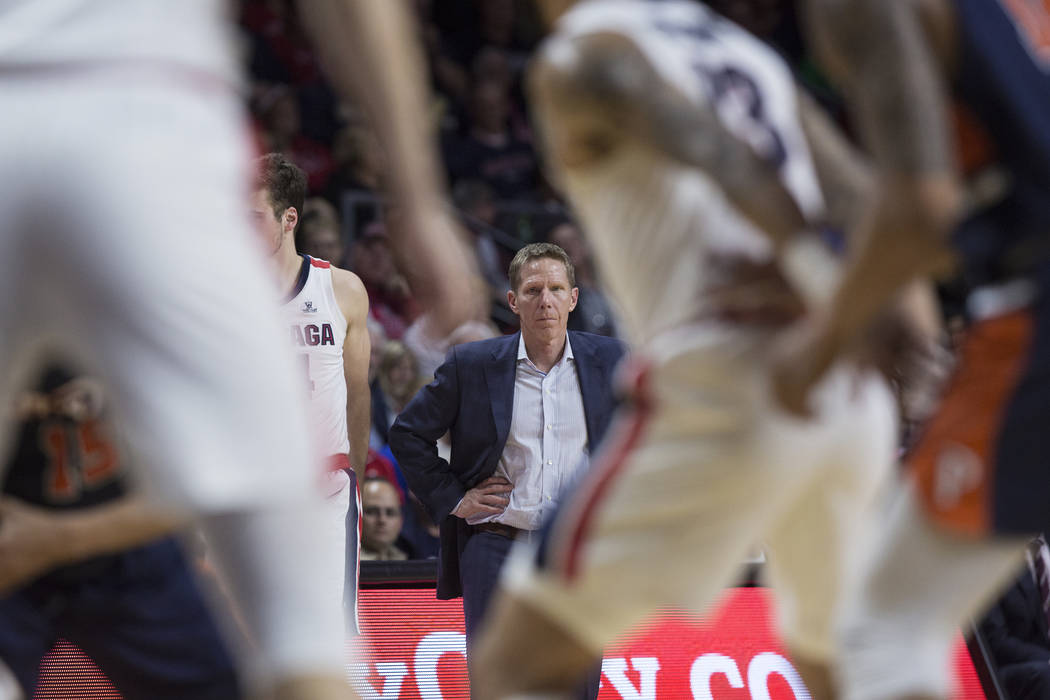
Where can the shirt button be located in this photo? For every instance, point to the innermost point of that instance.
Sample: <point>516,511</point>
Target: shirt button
<point>548,391</point>
<point>550,461</point>
<point>548,498</point>
<point>548,426</point>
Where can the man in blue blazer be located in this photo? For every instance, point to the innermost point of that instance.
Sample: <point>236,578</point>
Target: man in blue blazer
<point>524,413</point>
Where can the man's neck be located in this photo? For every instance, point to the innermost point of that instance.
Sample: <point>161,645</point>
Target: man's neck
<point>545,353</point>
<point>288,263</point>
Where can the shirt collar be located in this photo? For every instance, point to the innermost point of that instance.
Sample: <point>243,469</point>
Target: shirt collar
<point>567,355</point>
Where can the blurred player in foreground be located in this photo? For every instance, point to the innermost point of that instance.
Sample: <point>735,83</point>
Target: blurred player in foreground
<point>72,565</point>
<point>979,483</point>
<point>677,137</point>
<point>125,147</point>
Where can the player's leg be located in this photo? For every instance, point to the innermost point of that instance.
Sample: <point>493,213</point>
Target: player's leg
<point>180,317</point>
<point>979,468</point>
<point>663,518</point>
<point>26,635</point>
<point>814,548</point>
<point>147,627</point>
<point>352,549</point>
<point>917,587</point>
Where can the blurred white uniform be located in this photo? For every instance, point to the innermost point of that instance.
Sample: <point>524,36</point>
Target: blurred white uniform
<point>126,240</point>
<point>706,465</point>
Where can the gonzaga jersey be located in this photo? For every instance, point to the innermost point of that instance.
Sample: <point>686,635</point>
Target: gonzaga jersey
<point>659,227</point>
<point>317,328</point>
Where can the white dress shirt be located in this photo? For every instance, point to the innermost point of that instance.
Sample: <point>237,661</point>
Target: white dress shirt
<point>547,442</point>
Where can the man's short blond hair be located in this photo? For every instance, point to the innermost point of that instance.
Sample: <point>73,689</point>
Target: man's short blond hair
<point>534,251</point>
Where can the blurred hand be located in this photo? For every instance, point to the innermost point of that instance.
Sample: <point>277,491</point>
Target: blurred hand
<point>490,497</point>
<point>81,399</point>
<point>803,354</point>
<point>30,542</point>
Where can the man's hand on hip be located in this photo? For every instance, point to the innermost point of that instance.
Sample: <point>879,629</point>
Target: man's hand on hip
<point>490,497</point>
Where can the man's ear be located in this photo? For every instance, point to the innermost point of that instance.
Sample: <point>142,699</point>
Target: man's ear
<point>512,300</point>
<point>289,219</point>
<point>575,294</point>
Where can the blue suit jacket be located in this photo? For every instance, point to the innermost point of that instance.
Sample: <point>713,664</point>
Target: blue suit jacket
<point>472,396</point>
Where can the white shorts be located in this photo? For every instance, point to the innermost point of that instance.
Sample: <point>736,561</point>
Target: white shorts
<point>125,244</point>
<point>682,489</point>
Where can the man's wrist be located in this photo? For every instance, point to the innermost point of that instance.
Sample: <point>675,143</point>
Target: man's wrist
<point>456,511</point>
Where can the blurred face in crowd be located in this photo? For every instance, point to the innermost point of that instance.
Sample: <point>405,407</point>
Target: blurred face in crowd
<point>372,260</point>
<point>269,226</point>
<point>402,377</point>
<point>543,299</point>
<point>381,515</point>
<point>569,239</point>
<point>323,242</point>
<point>378,338</point>
<point>491,107</point>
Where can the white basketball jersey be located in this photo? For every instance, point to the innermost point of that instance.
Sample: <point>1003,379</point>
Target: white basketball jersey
<point>659,227</point>
<point>318,329</point>
<point>194,34</point>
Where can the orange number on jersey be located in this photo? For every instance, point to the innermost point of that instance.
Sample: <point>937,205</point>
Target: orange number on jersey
<point>99,455</point>
<point>59,478</point>
<point>1032,18</point>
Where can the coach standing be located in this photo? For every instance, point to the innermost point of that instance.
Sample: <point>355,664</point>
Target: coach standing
<point>524,412</point>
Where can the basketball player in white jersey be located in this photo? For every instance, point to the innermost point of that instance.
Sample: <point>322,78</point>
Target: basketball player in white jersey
<point>325,309</point>
<point>124,146</point>
<point>677,138</point>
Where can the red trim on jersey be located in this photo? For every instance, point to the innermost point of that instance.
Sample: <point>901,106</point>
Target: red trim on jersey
<point>337,462</point>
<point>627,433</point>
<point>323,264</point>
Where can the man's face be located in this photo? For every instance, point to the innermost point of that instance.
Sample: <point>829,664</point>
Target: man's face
<point>543,299</point>
<point>381,515</point>
<point>324,242</point>
<point>269,227</point>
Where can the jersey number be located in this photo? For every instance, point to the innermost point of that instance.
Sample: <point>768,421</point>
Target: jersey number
<point>305,359</point>
<point>740,102</point>
<point>77,457</point>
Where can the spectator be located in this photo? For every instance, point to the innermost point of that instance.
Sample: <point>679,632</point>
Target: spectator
<point>359,166</point>
<point>319,235</point>
<point>593,312</point>
<point>381,521</point>
<point>278,111</point>
<point>398,378</point>
<point>476,202</point>
<point>389,297</point>
<point>490,149</point>
<point>1017,630</point>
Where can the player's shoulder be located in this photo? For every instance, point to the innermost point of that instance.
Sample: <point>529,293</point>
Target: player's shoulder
<point>349,289</point>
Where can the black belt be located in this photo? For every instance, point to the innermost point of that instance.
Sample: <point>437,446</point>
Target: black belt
<point>511,533</point>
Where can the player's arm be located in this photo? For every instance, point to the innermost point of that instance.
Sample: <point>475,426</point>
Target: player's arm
<point>353,301</point>
<point>371,53</point>
<point>593,93</point>
<point>884,57</point>
<point>35,540</point>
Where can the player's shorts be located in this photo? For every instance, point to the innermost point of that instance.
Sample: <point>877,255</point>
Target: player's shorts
<point>140,617</point>
<point>127,243</point>
<point>700,469</point>
<point>342,530</point>
<point>982,464</point>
